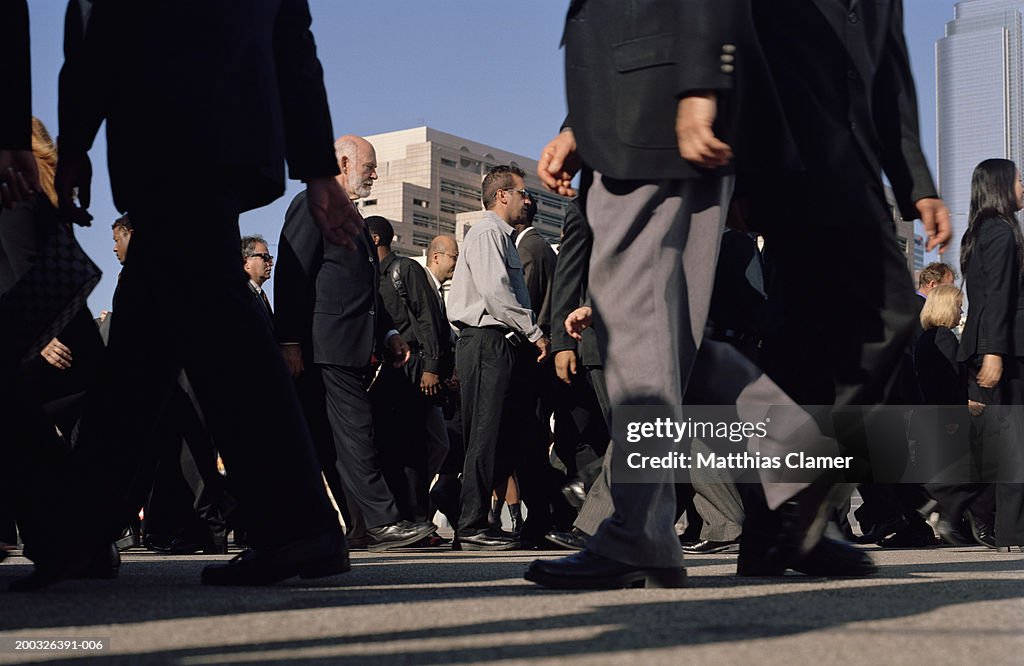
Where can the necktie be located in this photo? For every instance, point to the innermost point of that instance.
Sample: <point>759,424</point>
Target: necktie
<point>266,302</point>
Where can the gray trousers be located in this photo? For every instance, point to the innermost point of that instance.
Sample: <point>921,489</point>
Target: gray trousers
<point>651,278</point>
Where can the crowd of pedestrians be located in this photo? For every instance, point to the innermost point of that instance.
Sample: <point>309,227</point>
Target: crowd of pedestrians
<point>384,392</point>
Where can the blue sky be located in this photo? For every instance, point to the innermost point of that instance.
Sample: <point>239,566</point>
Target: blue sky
<point>488,70</point>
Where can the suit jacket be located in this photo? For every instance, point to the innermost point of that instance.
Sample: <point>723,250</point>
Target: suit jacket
<point>326,296</point>
<point>418,317</point>
<point>222,90</point>
<point>538,268</point>
<point>825,88</point>
<point>995,310</point>
<point>622,100</point>
<point>569,285</point>
<point>264,304</point>
<point>939,375</point>
<point>16,109</point>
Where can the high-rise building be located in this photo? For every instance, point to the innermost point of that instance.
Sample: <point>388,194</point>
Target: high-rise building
<point>980,110</point>
<point>426,178</point>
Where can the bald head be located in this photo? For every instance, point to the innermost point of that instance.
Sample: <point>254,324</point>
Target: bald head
<point>442,255</point>
<point>357,161</point>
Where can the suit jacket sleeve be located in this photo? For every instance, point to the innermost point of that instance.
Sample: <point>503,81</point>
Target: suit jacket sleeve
<point>86,85</point>
<point>16,109</point>
<point>425,311</point>
<point>997,254</point>
<point>897,122</point>
<point>309,138</point>
<point>569,284</point>
<point>703,28</point>
<point>300,256</point>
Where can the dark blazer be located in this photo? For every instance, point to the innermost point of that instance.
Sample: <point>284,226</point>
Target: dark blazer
<point>233,123</point>
<point>569,285</point>
<point>622,100</point>
<point>326,296</point>
<point>939,374</point>
<point>418,317</point>
<point>16,109</point>
<point>538,269</point>
<point>818,97</point>
<point>995,310</point>
<point>264,304</point>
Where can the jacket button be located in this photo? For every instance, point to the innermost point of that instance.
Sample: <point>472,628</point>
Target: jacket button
<point>371,313</point>
<point>728,48</point>
<point>852,17</point>
<point>727,69</point>
<point>727,57</point>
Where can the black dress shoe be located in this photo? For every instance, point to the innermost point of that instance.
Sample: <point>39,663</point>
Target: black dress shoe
<point>396,535</point>
<point>313,557</point>
<point>575,494</point>
<point>706,547</point>
<point>797,526</point>
<point>917,534</point>
<point>982,533</point>
<point>575,539</point>
<point>953,532</point>
<point>489,540</point>
<point>588,571</point>
<point>880,531</point>
<point>836,559</point>
<point>104,563</point>
<point>829,559</point>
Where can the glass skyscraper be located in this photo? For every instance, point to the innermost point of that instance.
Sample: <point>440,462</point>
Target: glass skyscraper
<point>980,111</point>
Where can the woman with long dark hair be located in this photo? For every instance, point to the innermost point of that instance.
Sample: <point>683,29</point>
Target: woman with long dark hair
<point>992,346</point>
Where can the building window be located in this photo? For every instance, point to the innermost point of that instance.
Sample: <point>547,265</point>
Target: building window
<point>461,191</point>
<point>420,239</point>
<point>421,203</point>
<point>424,220</point>
<point>448,163</point>
<point>455,207</point>
<point>369,202</point>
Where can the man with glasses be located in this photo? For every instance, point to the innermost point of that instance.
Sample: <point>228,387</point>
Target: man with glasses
<point>498,338</point>
<point>257,262</point>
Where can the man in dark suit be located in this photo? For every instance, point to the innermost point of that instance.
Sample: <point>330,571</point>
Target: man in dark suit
<point>231,137</point>
<point>408,422</point>
<point>258,263</point>
<point>327,297</point>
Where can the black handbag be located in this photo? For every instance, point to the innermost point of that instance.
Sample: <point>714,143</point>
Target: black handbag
<point>54,289</point>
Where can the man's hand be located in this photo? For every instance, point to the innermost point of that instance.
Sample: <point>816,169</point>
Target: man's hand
<point>19,176</point>
<point>565,365</point>
<point>975,408</point>
<point>399,350</point>
<point>430,383</point>
<point>695,115</point>
<point>558,163</point>
<point>293,359</point>
<point>544,346</point>
<point>935,217</point>
<point>74,176</point>
<point>334,212</point>
<point>57,354</point>
<point>991,370</point>
<point>578,321</point>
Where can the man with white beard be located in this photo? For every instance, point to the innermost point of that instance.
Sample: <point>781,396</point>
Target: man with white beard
<point>330,321</point>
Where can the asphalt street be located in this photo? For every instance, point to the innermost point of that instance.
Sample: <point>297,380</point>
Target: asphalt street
<point>942,605</point>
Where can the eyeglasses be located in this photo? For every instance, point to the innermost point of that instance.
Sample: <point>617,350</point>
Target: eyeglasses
<point>265,256</point>
<point>525,193</point>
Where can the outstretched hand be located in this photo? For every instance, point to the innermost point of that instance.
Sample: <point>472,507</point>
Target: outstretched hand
<point>935,217</point>
<point>74,180</point>
<point>695,117</point>
<point>19,176</point>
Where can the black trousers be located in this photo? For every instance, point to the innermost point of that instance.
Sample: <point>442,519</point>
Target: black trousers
<point>358,461</point>
<point>204,320</point>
